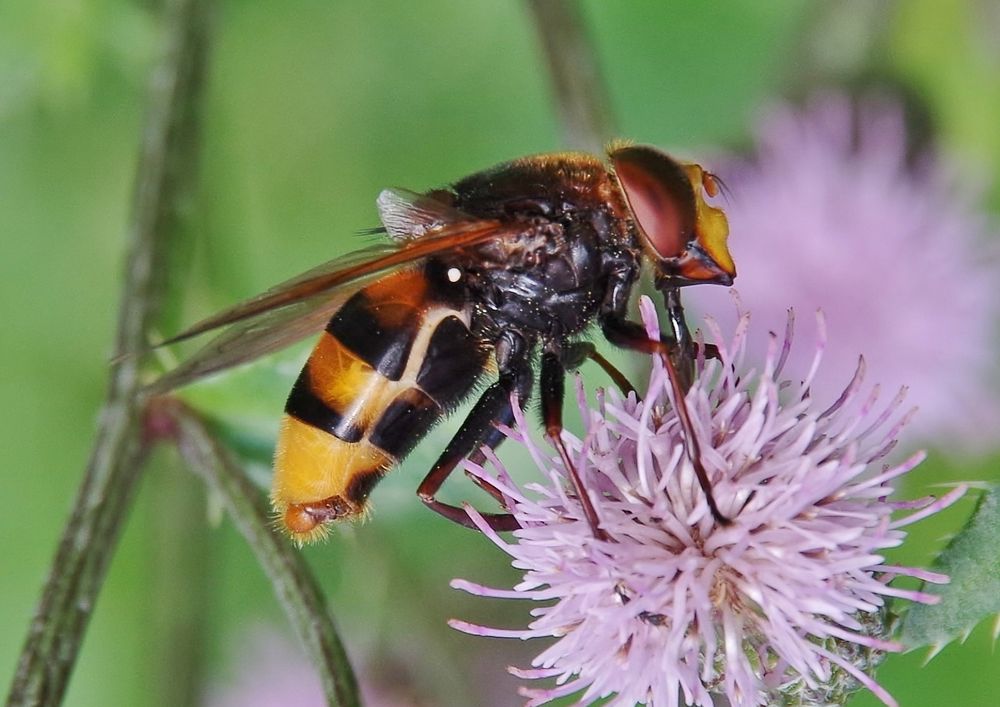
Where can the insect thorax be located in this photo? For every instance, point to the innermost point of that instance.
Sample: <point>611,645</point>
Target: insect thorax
<point>551,279</point>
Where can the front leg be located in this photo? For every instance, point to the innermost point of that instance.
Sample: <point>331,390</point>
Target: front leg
<point>632,335</point>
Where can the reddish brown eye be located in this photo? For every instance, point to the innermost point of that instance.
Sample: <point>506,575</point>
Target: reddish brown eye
<point>660,195</point>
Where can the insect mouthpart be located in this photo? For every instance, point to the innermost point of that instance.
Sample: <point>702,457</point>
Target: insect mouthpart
<point>695,266</point>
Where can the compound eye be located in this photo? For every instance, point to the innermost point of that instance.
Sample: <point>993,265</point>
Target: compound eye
<point>660,196</point>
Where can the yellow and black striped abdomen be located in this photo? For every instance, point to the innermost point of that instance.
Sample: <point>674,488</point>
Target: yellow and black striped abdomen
<point>392,361</point>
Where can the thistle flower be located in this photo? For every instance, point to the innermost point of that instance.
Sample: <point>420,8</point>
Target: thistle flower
<point>785,605</point>
<point>835,211</point>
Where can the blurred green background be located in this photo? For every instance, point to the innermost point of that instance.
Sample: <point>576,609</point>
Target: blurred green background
<point>312,107</point>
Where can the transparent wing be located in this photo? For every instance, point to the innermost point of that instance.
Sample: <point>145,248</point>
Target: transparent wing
<point>346,270</point>
<point>297,307</point>
<point>406,214</point>
<point>254,338</point>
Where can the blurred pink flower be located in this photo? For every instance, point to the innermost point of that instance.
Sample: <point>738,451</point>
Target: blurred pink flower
<point>271,671</point>
<point>268,671</point>
<point>783,606</point>
<point>833,213</point>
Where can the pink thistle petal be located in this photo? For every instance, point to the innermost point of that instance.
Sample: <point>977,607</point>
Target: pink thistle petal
<point>484,591</point>
<point>939,505</point>
<point>533,673</point>
<point>486,530</point>
<point>921,574</point>
<point>876,689</point>
<point>477,630</point>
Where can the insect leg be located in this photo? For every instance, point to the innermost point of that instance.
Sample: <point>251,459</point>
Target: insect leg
<point>687,348</point>
<point>577,352</point>
<point>477,429</point>
<point>492,440</point>
<point>552,388</point>
<point>679,366</point>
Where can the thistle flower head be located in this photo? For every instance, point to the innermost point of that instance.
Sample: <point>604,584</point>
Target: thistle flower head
<point>785,604</point>
<point>837,207</point>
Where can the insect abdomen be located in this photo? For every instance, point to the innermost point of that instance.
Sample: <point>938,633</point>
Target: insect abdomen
<point>393,360</point>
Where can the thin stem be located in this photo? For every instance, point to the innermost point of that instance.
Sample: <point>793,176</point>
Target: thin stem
<point>294,585</point>
<point>182,585</point>
<point>113,470</point>
<point>581,96</point>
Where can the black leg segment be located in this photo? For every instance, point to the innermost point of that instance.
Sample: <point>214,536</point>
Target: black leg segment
<point>476,430</point>
<point>552,391</point>
<point>574,354</point>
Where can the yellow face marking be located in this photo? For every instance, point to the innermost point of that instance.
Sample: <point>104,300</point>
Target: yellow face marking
<point>711,224</point>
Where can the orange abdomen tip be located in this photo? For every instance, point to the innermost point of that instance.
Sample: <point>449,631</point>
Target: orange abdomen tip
<point>299,521</point>
<point>308,522</point>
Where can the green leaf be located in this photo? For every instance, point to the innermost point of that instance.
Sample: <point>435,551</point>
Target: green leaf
<point>973,563</point>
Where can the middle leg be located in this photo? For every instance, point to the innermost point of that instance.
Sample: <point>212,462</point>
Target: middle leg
<point>574,354</point>
<point>478,429</point>
<point>552,391</point>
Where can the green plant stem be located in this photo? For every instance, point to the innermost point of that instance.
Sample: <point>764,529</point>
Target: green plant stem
<point>182,584</point>
<point>294,585</point>
<point>581,96</point>
<point>113,470</point>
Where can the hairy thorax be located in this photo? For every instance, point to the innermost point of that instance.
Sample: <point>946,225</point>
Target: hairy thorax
<point>550,279</point>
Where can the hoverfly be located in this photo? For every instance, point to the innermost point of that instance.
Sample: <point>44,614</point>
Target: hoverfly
<point>511,264</point>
